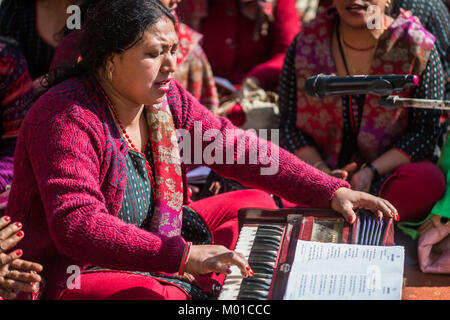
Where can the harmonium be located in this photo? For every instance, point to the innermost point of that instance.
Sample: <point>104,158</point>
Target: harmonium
<point>268,239</point>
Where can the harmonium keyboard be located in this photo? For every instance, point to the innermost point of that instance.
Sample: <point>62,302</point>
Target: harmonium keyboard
<point>268,239</point>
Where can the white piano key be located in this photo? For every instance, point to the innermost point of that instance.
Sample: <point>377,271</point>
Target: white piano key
<point>232,283</point>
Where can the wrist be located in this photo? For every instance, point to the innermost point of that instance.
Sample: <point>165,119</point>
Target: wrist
<point>372,169</point>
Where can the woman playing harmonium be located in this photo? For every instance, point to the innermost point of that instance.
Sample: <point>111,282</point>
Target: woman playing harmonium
<point>382,151</point>
<point>98,181</point>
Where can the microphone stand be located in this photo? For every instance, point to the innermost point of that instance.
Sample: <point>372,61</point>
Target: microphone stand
<point>397,102</point>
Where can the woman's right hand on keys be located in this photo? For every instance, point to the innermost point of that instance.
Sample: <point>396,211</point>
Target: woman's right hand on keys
<point>215,258</point>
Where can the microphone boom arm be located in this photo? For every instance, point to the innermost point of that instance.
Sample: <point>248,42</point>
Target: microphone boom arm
<point>397,102</point>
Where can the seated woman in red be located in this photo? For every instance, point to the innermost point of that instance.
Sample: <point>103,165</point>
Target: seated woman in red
<point>98,178</point>
<point>244,38</point>
<point>341,134</point>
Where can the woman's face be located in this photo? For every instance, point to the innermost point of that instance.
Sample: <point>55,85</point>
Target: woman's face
<point>142,74</point>
<point>356,13</point>
<point>170,4</point>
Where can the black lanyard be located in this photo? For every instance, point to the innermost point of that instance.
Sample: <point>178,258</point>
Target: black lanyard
<point>354,113</point>
<point>351,132</point>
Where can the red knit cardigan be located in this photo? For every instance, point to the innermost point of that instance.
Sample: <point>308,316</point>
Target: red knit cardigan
<point>70,175</point>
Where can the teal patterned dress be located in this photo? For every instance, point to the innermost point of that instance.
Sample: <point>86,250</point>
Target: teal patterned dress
<point>138,207</point>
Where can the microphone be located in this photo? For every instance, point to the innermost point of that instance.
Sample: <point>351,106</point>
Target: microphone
<point>322,85</point>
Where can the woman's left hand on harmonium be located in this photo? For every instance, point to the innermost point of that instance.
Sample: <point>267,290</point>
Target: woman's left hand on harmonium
<point>346,201</point>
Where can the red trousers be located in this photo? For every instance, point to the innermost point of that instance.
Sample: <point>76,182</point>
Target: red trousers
<point>414,189</point>
<point>219,213</point>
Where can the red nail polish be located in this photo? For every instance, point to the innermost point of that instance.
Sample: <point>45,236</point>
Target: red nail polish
<point>228,271</point>
<point>248,268</point>
<point>6,218</point>
<point>20,233</point>
<point>252,273</point>
<point>19,252</point>
<point>350,219</point>
<point>18,225</point>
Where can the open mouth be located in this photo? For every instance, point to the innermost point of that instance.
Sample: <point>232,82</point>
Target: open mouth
<point>357,8</point>
<point>163,85</point>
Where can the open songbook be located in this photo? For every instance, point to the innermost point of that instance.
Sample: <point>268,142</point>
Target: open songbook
<point>323,271</point>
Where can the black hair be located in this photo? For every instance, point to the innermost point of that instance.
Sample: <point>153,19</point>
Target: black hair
<point>110,26</point>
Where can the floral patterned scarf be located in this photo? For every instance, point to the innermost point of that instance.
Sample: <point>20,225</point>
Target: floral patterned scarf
<point>404,48</point>
<point>168,180</point>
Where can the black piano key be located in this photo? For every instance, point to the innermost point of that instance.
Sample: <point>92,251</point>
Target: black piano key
<point>263,234</point>
<point>264,246</point>
<point>271,228</point>
<point>269,254</point>
<point>253,294</point>
<point>273,254</point>
<point>261,258</point>
<point>263,264</point>
<point>275,233</point>
<point>256,279</point>
<point>254,285</point>
<point>262,269</point>
<point>262,239</point>
<point>260,242</point>
<point>262,276</point>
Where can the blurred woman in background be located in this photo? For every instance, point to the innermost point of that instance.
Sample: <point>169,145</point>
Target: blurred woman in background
<point>386,152</point>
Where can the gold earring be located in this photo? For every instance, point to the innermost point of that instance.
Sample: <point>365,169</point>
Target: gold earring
<point>109,76</point>
<point>388,4</point>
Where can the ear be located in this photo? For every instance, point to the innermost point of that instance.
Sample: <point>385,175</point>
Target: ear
<point>110,64</point>
<point>108,67</point>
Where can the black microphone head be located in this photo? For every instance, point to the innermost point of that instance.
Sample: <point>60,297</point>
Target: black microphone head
<point>314,86</point>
